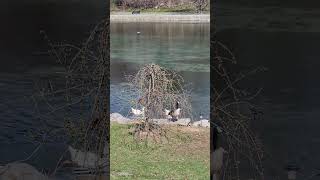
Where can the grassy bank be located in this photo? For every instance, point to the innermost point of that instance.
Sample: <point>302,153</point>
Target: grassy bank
<point>184,156</point>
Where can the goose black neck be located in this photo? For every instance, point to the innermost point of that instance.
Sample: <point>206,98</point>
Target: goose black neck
<point>214,138</point>
<point>177,105</point>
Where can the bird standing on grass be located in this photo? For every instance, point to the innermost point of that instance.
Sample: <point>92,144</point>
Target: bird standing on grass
<point>166,112</point>
<point>138,112</point>
<point>175,113</point>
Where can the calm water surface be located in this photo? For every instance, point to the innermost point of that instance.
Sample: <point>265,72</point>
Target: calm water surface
<point>180,47</point>
<point>23,64</point>
<point>286,41</point>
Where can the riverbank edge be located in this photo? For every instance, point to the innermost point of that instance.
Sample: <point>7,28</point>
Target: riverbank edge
<point>160,18</point>
<point>118,118</point>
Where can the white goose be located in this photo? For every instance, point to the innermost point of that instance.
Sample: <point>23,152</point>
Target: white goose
<point>138,112</point>
<point>166,112</point>
<point>87,159</point>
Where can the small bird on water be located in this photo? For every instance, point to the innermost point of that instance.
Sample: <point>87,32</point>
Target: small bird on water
<point>201,117</point>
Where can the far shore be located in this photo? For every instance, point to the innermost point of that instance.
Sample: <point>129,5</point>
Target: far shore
<point>159,17</point>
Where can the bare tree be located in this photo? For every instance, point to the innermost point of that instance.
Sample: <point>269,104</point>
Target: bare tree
<point>83,103</point>
<point>157,88</point>
<point>233,111</point>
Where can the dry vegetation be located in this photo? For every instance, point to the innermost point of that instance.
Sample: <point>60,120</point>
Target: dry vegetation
<point>233,111</point>
<point>83,101</point>
<point>157,89</point>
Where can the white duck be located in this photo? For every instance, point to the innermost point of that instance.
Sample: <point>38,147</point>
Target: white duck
<point>87,159</point>
<point>138,112</point>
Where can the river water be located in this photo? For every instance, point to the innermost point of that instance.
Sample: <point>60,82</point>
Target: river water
<point>176,46</point>
<point>283,40</point>
<point>286,42</point>
<point>24,61</point>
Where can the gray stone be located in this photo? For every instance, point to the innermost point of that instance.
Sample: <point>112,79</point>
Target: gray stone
<point>182,121</point>
<point>116,117</point>
<point>148,17</point>
<point>20,171</point>
<point>202,123</point>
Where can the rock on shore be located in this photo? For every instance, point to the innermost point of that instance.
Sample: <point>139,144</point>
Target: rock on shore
<point>202,123</point>
<point>116,117</point>
<point>20,171</point>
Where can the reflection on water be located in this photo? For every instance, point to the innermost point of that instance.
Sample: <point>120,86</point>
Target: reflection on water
<point>290,97</point>
<point>181,47</point>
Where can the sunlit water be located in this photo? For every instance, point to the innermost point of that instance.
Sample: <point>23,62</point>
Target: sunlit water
<point>180,47</point>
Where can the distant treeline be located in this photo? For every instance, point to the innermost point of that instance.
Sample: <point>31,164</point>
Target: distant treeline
<point>197,5</point>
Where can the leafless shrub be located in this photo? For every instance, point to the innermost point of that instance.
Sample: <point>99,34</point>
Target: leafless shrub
<point>83,102</point>
<point>158,89</point>
<point>233,111</point>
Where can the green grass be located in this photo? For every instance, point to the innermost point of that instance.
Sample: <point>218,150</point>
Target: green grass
<point>184,156</point>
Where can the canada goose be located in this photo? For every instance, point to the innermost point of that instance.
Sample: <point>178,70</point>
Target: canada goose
<point>176,112</point>
<point>138,112</point>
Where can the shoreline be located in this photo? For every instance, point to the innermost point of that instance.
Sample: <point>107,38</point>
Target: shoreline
<point>159,17</point>
<point>118,118</point>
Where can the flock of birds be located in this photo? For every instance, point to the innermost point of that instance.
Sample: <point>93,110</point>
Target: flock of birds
<point>172,114</point>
